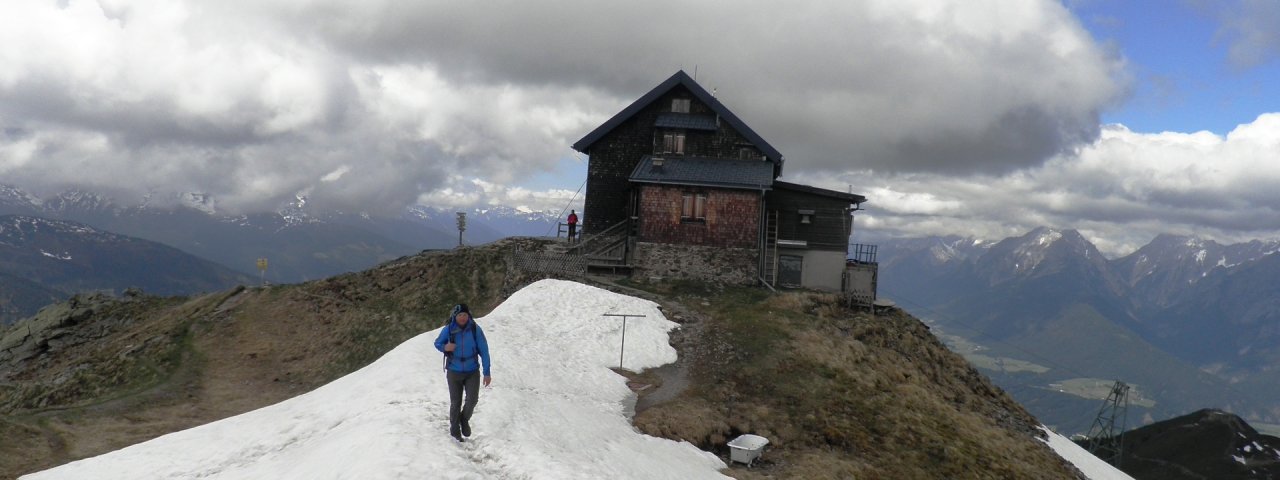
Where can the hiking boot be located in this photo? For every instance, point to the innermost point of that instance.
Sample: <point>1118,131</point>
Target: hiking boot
<point>453,432</point>
<point>466,429</point>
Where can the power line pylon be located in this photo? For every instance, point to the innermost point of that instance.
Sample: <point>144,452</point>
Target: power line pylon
<point>1106,435</point>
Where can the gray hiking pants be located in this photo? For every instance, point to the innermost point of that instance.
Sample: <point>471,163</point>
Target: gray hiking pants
<point>459,412</point>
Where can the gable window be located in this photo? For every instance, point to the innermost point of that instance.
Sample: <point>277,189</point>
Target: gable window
<point>693,207</point>
<point>806,216</point>
<point>673,142</point>
<point>680,105</point>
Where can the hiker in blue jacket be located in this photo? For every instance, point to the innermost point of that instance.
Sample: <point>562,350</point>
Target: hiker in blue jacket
<point>462,341</point>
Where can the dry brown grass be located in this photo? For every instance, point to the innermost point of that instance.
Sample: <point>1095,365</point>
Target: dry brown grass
<point>223,354</point>
<point>846,395</point>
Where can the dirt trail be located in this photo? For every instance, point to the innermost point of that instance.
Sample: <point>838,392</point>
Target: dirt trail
<point>665,383</point>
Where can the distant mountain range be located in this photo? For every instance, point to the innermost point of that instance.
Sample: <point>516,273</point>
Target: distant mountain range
<point>43,261</point>
<point>1191,322</point>
<point>299,241</point>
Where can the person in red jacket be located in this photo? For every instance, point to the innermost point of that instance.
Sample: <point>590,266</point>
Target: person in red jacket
<point>573,224</point>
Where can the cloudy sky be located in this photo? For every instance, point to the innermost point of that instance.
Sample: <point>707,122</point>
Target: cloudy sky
<point>1121,119</point>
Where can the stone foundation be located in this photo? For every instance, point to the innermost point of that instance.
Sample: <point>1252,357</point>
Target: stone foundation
<point>692,262</point>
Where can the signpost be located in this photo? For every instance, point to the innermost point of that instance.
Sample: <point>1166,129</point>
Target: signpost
<point>262,270</point>
<point>623,348</point>
<point>462,226</point>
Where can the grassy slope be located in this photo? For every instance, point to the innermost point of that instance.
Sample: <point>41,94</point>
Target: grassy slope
<point>163,365</point>
<point>840,395</point>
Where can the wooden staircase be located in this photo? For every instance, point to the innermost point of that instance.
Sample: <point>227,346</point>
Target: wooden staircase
<point>610,248</point>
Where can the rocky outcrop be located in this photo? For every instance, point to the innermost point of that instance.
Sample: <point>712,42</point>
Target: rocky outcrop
<point>1203,444</point>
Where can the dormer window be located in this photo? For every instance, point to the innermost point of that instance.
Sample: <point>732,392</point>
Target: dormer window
<point>673,142</point>
<point>680,105</point>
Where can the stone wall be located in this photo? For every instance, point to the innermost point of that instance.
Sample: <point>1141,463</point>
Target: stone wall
<point>695,262</point>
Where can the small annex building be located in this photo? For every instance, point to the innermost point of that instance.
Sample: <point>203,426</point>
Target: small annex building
<point>678,186</point>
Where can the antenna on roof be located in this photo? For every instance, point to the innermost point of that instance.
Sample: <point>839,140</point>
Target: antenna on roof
<point>695,72</point>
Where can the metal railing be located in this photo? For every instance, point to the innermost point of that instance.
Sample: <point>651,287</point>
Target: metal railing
<point>862,253</point>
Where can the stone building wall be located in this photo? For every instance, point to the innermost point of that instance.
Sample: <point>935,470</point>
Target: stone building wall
<point>695,262</point>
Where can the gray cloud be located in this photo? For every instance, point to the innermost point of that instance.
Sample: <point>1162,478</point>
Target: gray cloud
<point>255,101</point>
<point>1249,27</point>
<point>1120,191</point>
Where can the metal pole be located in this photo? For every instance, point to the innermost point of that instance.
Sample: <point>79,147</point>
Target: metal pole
<point>622,350</point>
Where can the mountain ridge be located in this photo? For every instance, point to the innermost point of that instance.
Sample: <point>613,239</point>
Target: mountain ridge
<point>62,258</point>
<point>881,399</point>
<point>1200,302</point>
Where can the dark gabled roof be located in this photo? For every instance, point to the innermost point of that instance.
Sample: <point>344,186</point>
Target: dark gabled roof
<point>796,187</point>
<point>706,172</point>
<point>680,78</point>
<point>685,120</point>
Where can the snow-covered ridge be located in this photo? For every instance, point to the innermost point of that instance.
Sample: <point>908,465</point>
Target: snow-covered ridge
<point>555,410</point>
<point>16,195</point>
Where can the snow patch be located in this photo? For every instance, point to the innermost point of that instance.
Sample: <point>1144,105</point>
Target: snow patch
<point>200,201</point>
<point>1093,467</point>
<point>1239,459</point>
<point>61,256</point>
<point>555,410</point>
<point>1048,237</point>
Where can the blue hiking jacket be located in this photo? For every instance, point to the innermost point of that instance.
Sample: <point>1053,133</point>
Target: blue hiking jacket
<point>469,344</point>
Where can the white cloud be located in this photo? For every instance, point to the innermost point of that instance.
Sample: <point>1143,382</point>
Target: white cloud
<point>471,192</point>
<point>253,101</point>
<point>1120,191</point>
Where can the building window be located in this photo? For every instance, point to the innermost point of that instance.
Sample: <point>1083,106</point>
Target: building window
<point>806,216</point>
<point>680,105</point>
<point>746,153</point>
<point>673,142</point>
<point>693,207</point>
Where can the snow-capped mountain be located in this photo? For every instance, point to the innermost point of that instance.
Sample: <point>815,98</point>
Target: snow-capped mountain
<point>76,203</point>
<point>298,243</point>
<point>1041,252</point>
<point>1192,319</point>
<point>15,200</point>
<point>487,224</point>
<point>1162,270</point>
<point>925,265</point>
